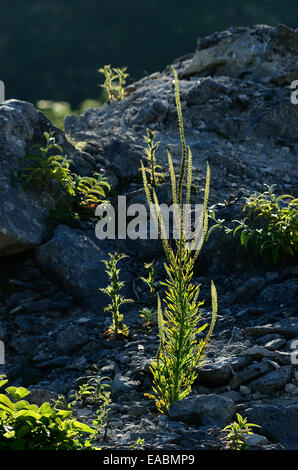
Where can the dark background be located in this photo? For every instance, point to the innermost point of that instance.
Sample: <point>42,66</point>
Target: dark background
<point>51,49</point>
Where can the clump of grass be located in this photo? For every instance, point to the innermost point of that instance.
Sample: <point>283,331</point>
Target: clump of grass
<point>182,348</point>
<point>118,329</point>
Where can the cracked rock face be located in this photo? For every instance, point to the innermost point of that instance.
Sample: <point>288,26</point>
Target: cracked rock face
<point>23,215</point>
<point>261,53</point>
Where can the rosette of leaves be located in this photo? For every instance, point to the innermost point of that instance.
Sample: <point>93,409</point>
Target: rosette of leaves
<point>236,433</point>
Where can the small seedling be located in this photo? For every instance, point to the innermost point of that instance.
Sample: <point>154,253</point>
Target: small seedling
<point>150,279</point>
<point>118,329</point>
<point>236,432</point>
<point>115,81</point>
<point>139,445</point>
<point>155,177</point>
<point>149,316</point>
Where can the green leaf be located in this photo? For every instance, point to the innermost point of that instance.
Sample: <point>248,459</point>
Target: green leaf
<point>27,414</point>
<point>17,392</point>
<point>4,400</point>
<point>46,409</point>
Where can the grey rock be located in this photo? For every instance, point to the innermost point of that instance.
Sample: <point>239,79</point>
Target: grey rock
<point>71,339</point>
<point>38,396</point>
<point>244,390</point>
<point>279,421</point>
<point>155,111</point>
<point>74,260</point>
<point>123,158</point>
<point>202,91</point>
<point>279,293</point>
<point>249,289</point>
<point>291,389</point>
<point>253,440</point>
<point>258,352</point>
<point>122,384</point>
<point>275,344</point>
<point>215,372</point>
<point>272,381</point>
<point>25,345</point>
<point>60,361</point>
<point>287,330</point>
<point>233,395</point>
<point>250,373</point>
<point>253,51</point>
<point>210,409</point>
<point>24,214</point>
<point>240,362</point>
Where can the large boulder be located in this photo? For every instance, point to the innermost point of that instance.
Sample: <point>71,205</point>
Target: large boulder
<point>75,260</point>
<point>214,410</point>
<point>24,215</point>
<point>260,52</point>
<point>278,422</point>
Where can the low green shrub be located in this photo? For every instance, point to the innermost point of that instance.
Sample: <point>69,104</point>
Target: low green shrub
<point>25,426</point>
<point>77,196</point>
<point>270,227</point>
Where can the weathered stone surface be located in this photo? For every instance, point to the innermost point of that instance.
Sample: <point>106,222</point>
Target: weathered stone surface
<point>215,372</point>
<point>122,384</point>
<point>258,352</point>
<point>261,330</point>
<point>23,221</point>
<point>75,261</point>
<point>71,339</point>
<point>272,381</point>
<point>250,373</point>
<point>279,421</point>
<point>210,409</point>
<point>261,53</point>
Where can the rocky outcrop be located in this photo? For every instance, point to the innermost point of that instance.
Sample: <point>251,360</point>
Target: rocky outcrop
<point>237,114</point>
<point>24,214</point>
<point>259,53</point>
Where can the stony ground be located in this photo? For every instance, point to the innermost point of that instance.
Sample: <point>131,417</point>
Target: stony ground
<point>54,342</point>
